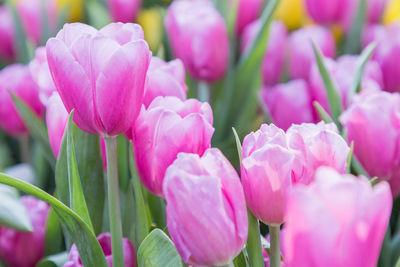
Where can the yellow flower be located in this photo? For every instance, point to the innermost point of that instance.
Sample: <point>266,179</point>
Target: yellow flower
<point>292,13</point>
<point>392,12</point>
<point>151,22</point>
<point>74,9</point>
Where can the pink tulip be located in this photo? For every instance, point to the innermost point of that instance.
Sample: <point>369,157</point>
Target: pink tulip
<point>56,121</point>
<point>169,126</point>
<point>274,60</point>
<point>206,209</point>
<point>7,37</point>
<point>165,79</point>
<point>100,74</point>
<point>17,79</point>
<point>339,220</point>
<point>267,166</point>
<point>105,243</point>
<point>343,72</point>
<point>301,51</point>
<point>25,249</point>
<point>316,145</point>
<point>247,12</point>
<point>41,74</point>
<point>372,122</point>
<point>31,15</point>
<point>288,103</point>
<point>386,53</point>
<point>198,36</point>
<point>123,10</point>
<point>326,11</point>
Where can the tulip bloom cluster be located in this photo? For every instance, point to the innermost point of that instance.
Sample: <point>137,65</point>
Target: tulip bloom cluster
<point>142,173</point>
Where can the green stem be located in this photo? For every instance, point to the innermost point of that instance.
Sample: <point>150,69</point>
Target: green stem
<point>113,202</point>
<point>254,248</point>
<point>24,148</point>
<point>203,92</point>
<point>275,255</point>
<point>229,264</point>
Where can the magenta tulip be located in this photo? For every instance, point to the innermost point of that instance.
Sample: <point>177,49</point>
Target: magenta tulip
<point>7,37</point>
<point>100,74</point>
<point>317,145</point>
<point>386,53</point>
<point>288,103</point>
<point>206,209</point>
<point>123,10</point>
<point>343,71</point>
<point>25,249</point>
<point>105,243</point>
<point>301,51</point>
<point>56,121</point>
<point>31,15</point>
<point>41,74</point>
<point>247,12</point>
<point>165,79</point>
<point>17,79</point>
<point>198,36</point>
<point>267,166</point>
<point>169,126</point>
<point>274,60</point>
<point>339,220</point>
<point>326,11</point>
<point>372,122</point>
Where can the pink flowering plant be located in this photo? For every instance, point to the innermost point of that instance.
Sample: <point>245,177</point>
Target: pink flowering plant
<point>199,133</point>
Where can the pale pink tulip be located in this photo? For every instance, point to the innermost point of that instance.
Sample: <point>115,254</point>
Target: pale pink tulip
<point>56,121</point>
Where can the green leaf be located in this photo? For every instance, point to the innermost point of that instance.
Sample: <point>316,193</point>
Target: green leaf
<point>141,222</point>
<point>12,212</point>
<point>90,168</point>
<point>240,260</point>
<point>361,63</point>
<point>384,258</point>
<point>238,144</point>
<point>322,112</point>
<point>53,238</point>
<point>36,128</point>
<point>398,262</point>
<point>89,248</point>
<point>335,102</point>
<point>158,250</point>
<point>77,198</point>
<point>97,14</point>
<point>349,157</point>
<point>353,38</point>
<point>56,260</point>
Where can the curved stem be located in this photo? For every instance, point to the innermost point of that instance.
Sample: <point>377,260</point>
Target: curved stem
<point>275,255</point>
<point>113,202</point>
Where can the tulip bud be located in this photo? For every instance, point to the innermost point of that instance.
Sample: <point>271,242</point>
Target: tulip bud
<point>301,50</point>
<point>326,11</point>
<point>101,74</point>
<point>274,59</point>
<point>288,103</point>
<point>169,126</point>
<point>56,121</point>
<point>198,36</point>
<point>372,122</point>
<point>165,79</point>
<point>316,145</point>
<point>7,38</point>
<point>267,166</point>
<point>17,79</point>
<point>31,14</point>
<point>25,249</point>
<point>41,75</point>
<point>386,53</point>
<point>247,12</point>
<point>206,210</point>
<point>343,71</point>
<point>337,213</point>
<point>123,10</point>
<point>105,243</point>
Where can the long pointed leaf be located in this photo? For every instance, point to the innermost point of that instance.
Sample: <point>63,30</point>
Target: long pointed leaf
<point>353,39</point>
<point>322,112</point>
<point>36,127</point>
<point>77,198</point>
<point>335,102</point>
<point>89,248</point>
